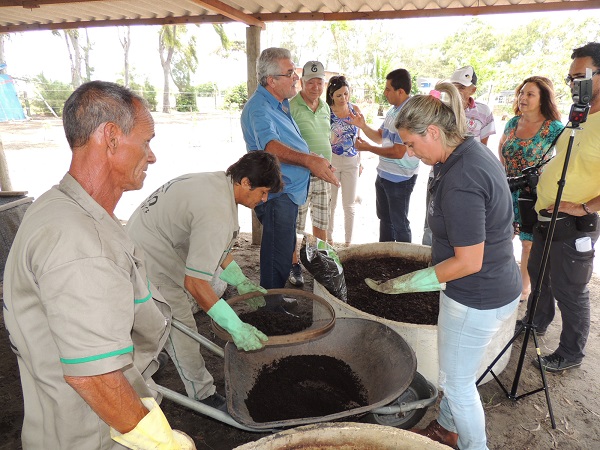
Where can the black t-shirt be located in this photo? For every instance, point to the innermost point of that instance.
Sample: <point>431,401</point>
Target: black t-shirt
<point>470,204</point>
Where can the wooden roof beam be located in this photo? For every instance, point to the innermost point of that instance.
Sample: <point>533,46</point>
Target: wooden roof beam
<point>228,11</point>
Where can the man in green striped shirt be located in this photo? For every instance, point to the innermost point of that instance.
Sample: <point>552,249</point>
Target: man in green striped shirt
<point>312,116</point>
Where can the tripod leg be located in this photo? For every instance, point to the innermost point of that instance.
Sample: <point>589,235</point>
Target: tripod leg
<point>544,381</point>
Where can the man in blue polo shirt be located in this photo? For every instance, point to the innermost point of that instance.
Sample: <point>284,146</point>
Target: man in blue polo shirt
<point>397,170</point>
<point>268,125</point>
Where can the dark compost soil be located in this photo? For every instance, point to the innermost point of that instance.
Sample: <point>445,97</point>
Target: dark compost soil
<point>304,386</point>
<point>418,307</point>
<point>274,323</point>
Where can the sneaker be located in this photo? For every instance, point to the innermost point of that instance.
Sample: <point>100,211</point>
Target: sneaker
<point>296,278</point>
<point>163,359</point>
<point>280,303</point>
<point>555,363</point>
<point>216,401</point>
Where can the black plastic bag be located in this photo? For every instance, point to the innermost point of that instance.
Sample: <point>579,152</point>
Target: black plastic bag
<point>321,260</point>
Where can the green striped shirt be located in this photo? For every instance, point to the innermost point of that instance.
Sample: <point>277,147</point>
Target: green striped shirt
<point>314,126</point>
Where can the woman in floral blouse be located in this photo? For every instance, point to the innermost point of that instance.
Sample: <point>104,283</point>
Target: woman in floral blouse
<point>345,157</point>
<point>525,142</point>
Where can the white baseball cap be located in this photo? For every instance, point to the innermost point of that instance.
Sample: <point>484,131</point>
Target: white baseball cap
<point>465,76</point>
<point>313,69</point>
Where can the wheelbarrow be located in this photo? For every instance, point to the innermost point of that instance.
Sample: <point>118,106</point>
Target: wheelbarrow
<point>397,395</point>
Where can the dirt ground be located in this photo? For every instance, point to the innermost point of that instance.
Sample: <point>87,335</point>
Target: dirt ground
<point>522,424</point>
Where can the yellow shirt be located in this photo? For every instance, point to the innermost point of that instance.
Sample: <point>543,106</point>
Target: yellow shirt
<point>582,182</point>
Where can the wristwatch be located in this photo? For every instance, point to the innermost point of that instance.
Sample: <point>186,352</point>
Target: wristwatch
<point>586,209</point>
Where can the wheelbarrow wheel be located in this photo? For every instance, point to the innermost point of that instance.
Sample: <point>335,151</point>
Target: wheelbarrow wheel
<point>418,390</point>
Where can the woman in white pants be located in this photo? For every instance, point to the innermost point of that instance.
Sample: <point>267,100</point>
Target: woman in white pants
<point>345,157</point>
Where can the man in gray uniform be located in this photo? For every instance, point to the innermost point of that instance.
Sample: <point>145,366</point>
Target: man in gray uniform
<point>83,320</point>
<point>186,229</point>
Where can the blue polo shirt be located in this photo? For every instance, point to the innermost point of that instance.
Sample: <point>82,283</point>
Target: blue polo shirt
<point>265,119</point>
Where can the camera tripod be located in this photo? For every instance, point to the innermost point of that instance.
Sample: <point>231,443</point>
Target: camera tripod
<point>576,117</point>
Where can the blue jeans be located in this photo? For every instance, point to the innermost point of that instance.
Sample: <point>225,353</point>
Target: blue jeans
<point>392,200</point>
<point>463,335</point>
<point>278,218</point>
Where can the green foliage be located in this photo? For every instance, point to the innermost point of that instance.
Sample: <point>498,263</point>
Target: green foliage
<point>54,92</point>
<point>186,101</point>
<point>147,91</point>
<point>236,97</point>
<point>207,89</point>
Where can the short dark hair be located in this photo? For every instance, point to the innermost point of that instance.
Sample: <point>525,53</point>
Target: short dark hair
<point>400,79</point>
<point>335,83</point>
<point>94,103</point>
<point>591,49</point>
<point>261,168</point>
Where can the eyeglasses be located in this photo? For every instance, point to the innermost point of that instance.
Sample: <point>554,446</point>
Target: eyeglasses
<point>290,74</point>
<point>570,78</point>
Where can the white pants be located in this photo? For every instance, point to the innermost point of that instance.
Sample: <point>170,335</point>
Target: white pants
<point>347,174</point>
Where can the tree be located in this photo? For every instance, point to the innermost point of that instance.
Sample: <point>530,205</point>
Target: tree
<point>2,57</point>
<point>236,97</point>
<point>167,42</point>
<point>178,59</point>
<point>72,41</point>
<point>89,70</point>
<point>185,63</point>
<point>125,40</point>
<point>52,94</point>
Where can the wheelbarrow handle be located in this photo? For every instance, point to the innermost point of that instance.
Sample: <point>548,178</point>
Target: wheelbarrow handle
<point>396,408</point>
<point>204,342</point>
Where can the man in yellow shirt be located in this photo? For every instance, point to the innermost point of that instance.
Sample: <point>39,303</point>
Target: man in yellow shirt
<point>570,262</point>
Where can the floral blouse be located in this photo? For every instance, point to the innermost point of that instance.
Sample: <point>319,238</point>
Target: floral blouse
<point>521,153</point>
<point>343,135</point>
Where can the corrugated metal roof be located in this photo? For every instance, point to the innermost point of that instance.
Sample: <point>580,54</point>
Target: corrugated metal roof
<point>23,15</point>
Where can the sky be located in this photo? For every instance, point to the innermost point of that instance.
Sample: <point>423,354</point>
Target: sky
<point>34,52</point>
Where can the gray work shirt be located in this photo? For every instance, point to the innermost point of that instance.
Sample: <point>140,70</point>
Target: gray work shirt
<point>77,302</point>
<point>186,227</point>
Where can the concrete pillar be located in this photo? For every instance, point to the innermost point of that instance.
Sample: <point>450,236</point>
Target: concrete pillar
<point>5,184</point>
<point>252,54</point>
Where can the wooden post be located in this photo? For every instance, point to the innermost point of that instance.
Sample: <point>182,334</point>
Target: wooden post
<point>5,184</point>
<point>252,54</point>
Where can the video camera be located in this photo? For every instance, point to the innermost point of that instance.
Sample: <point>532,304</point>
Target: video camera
<point>581,93</point>
<point>529,178</point>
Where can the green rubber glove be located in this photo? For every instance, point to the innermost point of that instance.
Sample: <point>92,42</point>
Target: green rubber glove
<point>424,280</point>
<point>153,432</point>
<point>232,274</point>
<point>244,336</point>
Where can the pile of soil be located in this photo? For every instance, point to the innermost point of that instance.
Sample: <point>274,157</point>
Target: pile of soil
<point>304,386</point>
<point>275,323</point>
<point>420,308</point>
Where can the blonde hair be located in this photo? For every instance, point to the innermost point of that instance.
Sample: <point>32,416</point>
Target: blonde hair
<point>442,108</point>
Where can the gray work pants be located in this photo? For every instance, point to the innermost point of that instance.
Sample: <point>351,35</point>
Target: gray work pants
<point>183,350</point>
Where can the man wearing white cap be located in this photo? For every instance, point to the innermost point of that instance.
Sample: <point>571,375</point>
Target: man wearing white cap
<point>480,121</point>
<point>311,114</point>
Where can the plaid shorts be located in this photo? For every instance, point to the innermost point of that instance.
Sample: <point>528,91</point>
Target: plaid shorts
<point>319,198</point>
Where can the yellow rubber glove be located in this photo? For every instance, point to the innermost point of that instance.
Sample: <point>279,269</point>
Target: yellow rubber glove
<point>153,432</point>
<point>424,280</point>
<point>232,274</point>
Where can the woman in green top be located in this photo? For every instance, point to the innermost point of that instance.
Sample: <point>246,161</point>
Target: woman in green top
<point>525,142</point>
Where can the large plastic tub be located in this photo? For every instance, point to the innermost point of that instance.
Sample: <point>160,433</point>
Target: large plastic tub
<point>422,338</point>
<point>344,436</point>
